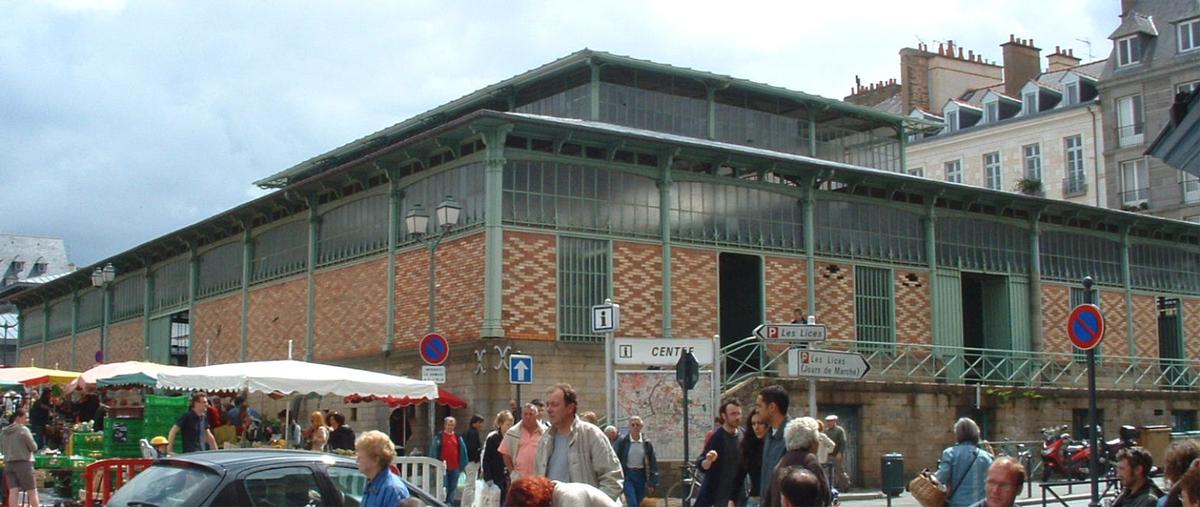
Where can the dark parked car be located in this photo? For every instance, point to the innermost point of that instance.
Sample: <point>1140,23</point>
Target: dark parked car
<point>250,477</point>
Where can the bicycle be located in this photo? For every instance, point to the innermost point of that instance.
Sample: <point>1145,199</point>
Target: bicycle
<point>689,484</point>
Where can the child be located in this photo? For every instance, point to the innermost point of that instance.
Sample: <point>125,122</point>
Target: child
<point>160,446</point>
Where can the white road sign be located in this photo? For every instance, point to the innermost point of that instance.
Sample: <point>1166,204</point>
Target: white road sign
<point>520,369</point>
<point>826,364</point>
<point>606,318</point>
<point>791,332</point>
<point>661,351</point>
<point>433,374</point>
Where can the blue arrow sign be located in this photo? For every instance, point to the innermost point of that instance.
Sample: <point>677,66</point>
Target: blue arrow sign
<point>520,369</point>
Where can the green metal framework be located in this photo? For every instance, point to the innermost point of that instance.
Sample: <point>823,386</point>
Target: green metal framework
<point>584,280</point>
<point>874,307</point>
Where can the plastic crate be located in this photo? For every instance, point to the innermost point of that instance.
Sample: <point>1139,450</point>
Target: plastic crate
<point>176,402</point>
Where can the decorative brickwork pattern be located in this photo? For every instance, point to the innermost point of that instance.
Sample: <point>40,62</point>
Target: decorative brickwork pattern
<point>350,310</point>
<point>58,354</point>
<point>1191,328</point>
<point>126,342</point>
<point>1145,326</point>
<point>694,281</point>
<point>1056,307</point>
<point>276,315</point>
<point>412,298</point>
<point>914,307</point>
<point>30,356</point>
<point>637,287</point>
<point>1116,332</point>
<point>787,287</point>
<point>835,299</point>
<point>86,345</point>
<point>217,330</point>
<point>530,309</point>
<point>460,265</point>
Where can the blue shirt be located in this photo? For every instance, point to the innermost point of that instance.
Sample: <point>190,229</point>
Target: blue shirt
<point>385,490</point>
<point>968,480</point>
<point>773,449</point>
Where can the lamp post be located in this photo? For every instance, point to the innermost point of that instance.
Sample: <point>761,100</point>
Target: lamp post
<point>103,277</point>
<point>417,222</point>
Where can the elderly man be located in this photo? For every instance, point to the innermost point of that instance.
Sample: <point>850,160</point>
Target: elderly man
<point>837,455</point>
<point>638,462</point>
<point>572,450</point>
<point>1133,467</point>
<point>520,444</point>
<point>1005,477</point>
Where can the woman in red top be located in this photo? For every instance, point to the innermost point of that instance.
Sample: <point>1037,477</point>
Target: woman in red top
<point>452,450</point>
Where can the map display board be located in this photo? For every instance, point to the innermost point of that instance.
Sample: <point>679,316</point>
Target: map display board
<point>657,398</point>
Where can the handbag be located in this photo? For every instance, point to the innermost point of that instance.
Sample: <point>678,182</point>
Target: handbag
<point>925,488</point>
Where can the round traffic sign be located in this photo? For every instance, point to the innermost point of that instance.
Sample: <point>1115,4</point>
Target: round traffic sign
<point>1085,326</point>
<point>434,349</point>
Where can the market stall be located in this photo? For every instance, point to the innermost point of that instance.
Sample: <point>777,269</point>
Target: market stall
<point>31,376</point>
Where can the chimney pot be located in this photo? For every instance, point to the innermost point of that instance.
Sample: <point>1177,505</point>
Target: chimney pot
<point>960,53</point>
<point>971,55</point>
<point>1011,37</point>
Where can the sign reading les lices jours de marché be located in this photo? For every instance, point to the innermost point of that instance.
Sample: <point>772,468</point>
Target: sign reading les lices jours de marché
<point>827,364</point>
<point>661,351</point>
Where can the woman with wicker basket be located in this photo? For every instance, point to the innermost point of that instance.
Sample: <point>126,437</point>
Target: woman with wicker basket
<point>963,467</point>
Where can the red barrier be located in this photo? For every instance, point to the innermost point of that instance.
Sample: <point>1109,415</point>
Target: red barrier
<point>108,475</point>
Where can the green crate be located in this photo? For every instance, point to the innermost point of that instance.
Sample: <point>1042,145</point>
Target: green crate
<point>170,402</point>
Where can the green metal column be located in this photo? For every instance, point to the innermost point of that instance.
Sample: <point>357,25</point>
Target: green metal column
<point>903,146</point>
<point>310,302</point>
<point>247,273</point>
<point>812,133</point>
<point>810,248</point>
<point>593,92</point>
<point>493,270</point>
<point>20,335</point>
<point>105,319</point>
<point>147,302</point>
<point>193,289</point>
<point>711,97</point>
<point>74,325</point>
<point>664,227</point>
<point>930,223</point>
<point>45,330</point>
<point>394,198</point>
<point>1035,284</point>
<point>1127,282</point>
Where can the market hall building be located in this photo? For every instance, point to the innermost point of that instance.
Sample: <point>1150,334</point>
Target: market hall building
<point>704,205</point>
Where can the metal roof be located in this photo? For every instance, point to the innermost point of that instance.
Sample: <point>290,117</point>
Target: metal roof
<point>1134,22</point>
<point>577,59</point>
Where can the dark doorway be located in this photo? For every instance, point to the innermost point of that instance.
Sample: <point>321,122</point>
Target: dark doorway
<point>180,339</point>
<point>740,307</point>
<point>1170,346</point>
<point>986,325</point>
<point>972,308</point>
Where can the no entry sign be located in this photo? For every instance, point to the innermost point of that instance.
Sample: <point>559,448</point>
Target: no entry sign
<point>434,349</point>
<point>1085,326</point>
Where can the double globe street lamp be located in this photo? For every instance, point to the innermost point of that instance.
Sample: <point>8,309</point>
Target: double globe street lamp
<point>102,277</point>
<point>417,223</point>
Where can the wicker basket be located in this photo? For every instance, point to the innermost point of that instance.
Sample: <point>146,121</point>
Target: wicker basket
<point>925,488</point>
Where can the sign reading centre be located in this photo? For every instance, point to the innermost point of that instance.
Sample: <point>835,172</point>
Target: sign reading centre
<point>661,351</point>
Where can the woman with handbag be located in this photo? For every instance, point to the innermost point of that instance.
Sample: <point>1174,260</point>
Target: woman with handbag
<point>963,467</point>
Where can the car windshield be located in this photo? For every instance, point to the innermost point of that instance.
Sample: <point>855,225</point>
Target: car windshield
<point>167,485</point>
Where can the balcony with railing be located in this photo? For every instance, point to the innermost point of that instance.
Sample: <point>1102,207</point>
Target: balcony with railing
<point>1130,135</point>
<point>924,363</point>
<point>1074,186</point>
<point>1135,196</point>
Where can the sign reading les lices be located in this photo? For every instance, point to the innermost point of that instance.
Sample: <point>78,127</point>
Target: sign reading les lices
<point>825,364</point>
<point>436,374</point>
<point>791,332</point>
<point>661,351</point>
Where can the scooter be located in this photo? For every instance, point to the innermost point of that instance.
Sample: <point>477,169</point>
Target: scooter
<point>1062,456</point>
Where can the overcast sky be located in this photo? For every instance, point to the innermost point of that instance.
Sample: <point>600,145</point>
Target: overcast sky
<point>123,121</point>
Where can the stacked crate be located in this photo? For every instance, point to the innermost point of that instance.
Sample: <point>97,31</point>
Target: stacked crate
<point>130,447</point>
<point>161,413</point>
<point>88,445</point>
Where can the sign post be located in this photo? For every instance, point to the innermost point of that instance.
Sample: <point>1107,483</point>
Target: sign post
<point>606,318</point>
<point>687,374</point>
<point>520,372</point>
<point>802,334</point>
<point>434,351</point>
<point>1085,327</point>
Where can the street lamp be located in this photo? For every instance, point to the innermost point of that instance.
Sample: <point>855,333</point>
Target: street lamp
<point>102,277</point>
<point>417,222</point>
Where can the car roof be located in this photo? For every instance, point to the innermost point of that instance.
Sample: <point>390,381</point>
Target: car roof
<point>237,459</point>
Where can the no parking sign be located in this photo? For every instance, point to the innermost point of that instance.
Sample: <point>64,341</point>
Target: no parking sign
<point>1085,326</point>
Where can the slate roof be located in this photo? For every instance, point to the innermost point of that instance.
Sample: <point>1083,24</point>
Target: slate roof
<point>1160,49</point>
<point>1134,22</point>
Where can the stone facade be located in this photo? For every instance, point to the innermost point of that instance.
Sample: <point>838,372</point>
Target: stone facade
<point>350,310</point>
<point>637,287</point>
<point>693,293</point>
<point>125,342</point>
<point>914,307</point>
<point>276,315</point>
<point>216,330</point>
<point>530,286</point>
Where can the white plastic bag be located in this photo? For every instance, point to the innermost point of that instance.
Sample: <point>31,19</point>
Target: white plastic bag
<point>487,494</point>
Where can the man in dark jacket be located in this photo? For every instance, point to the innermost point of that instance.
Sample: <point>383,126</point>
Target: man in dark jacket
<point>800,438</point>
<point>342,437</point>
<point>1133,467</point>
<point>721,461</point>
<point>638,462</point>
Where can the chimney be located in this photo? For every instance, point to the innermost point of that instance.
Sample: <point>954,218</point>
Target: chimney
<point>1126,6</point>
<point>1061,60</point>
<point>1022,62</point>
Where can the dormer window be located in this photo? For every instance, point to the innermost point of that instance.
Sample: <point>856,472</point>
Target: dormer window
<point>991,112</point>
<point>1029,102</point>
<point>952,121</point>
<point>1129,50</point>
<point>1071,93</point>
<point>1189,35</point>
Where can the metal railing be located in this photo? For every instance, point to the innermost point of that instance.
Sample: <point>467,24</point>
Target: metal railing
<point>1135,195</point>
<point>919,362</point>
<point>1074,186</point>
<point>1130,135</point>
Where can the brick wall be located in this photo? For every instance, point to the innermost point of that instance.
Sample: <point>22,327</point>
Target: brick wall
<point>914,307</point>
<point>835,299</point>
<point>217,330</point>
<point>412,297</point>
<point>1145,326</point>
<point>58,353</point>
<point>1191,327</point>
<point>126,342</point>
<point>1116,332</point>
<point>86,345</point>
<point>637,287</point>
<point>30,356</point>
<point>530,309</point>
<point>787,287</point>
<point>1056,307</point>
<point>693,293</point>
<point>277,314</point>
<point>350,310</point>
<point>460,265</point>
